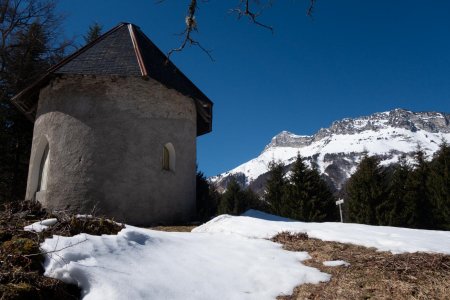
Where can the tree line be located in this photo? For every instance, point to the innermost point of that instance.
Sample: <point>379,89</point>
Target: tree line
<point>414,195</point>
<point>301,194</point>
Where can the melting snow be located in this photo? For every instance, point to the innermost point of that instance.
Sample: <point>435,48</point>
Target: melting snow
<point>144,264</point>
<point>335,263</point>
<point>41,225</point>
<point>383,238</point>
<point>226,258</point>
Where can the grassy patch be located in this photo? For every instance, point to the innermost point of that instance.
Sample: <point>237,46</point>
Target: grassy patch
<point>371,274</point>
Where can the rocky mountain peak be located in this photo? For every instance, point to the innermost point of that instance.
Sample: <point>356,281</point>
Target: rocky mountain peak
<point>432,122</point>
<point>336,151</point>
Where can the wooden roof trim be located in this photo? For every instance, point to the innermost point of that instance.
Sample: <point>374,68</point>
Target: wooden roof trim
<point>137,50</point>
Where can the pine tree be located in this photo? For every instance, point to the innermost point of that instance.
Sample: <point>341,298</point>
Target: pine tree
<point>275,193</point>
<point>308,198</point>
<point>236,200</point>
<point>207,198</point>
<point>418,208</point>
<point>297,196</point>
<point>229,201</point>
<point>365,191</point>
<point>391,212</point>
<point>439,187</point>
<point>95,30</point>
<point>321,203</point>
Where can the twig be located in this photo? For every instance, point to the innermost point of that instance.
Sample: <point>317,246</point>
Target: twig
<point>242,10</point>
<point>246,11</point>
<point>310,10</point>
<point>191,26</point>
<point>54,251</point>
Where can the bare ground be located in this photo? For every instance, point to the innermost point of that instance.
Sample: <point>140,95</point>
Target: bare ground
<point>187,228</point>
<point>371,274</point>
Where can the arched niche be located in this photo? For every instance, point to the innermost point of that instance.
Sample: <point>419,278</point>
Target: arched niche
<point>40,167</point>
<point>168,157</point>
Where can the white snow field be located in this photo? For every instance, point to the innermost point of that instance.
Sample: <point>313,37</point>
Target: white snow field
<point>145,264</point>
<point>255,224</point>
<point>226,258</point>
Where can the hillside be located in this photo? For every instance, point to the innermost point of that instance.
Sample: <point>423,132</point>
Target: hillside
<point>336,151</point>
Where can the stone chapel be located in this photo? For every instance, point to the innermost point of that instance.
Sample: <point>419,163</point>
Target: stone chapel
<point>115,127</point>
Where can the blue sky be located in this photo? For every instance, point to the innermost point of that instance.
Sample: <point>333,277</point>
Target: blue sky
<point>352,58</point>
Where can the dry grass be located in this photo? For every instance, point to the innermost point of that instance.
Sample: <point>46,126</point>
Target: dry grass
<point>371,274</point>
<point>174,228</point>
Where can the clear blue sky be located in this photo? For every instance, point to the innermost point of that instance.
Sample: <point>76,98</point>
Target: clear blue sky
<point>353,58</point>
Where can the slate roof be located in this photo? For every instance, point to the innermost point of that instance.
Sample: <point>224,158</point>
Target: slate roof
<point>124,51</point>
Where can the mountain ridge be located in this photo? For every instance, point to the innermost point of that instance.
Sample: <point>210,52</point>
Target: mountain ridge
<point>337,150</point>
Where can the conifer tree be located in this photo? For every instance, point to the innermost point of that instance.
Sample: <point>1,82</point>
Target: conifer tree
<point>275,193</point>
<point>321,203</point>
<point>236,200</point>
<point>439,187</point>
<point>365,191</point>
<point>308,198</point>
<point>229,200</point>
<point>95,30</point>
<point>418,208</point>
<point>391,212</point>
<point>297,195</point>
<point>207,198</point>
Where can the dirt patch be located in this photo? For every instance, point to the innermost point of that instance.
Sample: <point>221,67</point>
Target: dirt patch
<point>174,228</point>
<point>371,274</point>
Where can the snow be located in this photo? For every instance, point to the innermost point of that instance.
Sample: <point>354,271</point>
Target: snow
<point>385,140</point>
<point>384,238</point>
<point>145,264</point>
<point>335,263</point>
<point>264,216</point>
<point>229,257</point>
<point>41,225</point>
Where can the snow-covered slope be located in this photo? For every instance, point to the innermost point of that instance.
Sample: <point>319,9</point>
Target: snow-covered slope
<point>257,225</point>
<point>337,150</point>
<point>144,264</point>
<point>227,258</point>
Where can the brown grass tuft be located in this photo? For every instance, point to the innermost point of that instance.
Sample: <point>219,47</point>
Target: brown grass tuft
<point>372,274</point>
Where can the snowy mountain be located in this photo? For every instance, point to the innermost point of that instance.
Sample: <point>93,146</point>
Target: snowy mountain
<point>337,150</point>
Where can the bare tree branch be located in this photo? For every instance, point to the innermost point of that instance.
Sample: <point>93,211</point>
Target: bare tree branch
<point>244,9</point>
<point>310,10</point>
<point>191,26</point>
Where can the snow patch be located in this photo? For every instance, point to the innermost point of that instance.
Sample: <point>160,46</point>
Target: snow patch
<point>145,264</point>
<point>335,263</point>
<point>41,225</point>
<point>384,238</point>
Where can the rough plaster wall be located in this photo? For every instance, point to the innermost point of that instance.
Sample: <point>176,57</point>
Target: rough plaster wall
<point>106,136</point>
